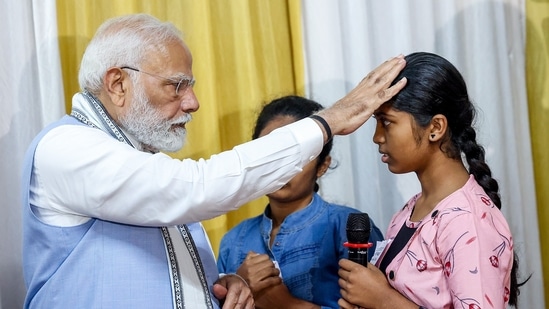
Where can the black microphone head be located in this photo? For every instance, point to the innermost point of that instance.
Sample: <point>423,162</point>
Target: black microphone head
<point>358,228</point>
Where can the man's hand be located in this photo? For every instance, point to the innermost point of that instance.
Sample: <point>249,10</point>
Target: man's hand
<point>351,111</point>
<point>233,292</point>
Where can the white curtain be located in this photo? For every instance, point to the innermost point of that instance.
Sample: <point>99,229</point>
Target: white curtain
<point>344,40</point>
<point>31,95</point>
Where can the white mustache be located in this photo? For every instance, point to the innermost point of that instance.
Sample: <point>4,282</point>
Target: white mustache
<point>182,120</point>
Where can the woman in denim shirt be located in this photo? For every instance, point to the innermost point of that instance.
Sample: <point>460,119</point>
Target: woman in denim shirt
<point>298,238</point>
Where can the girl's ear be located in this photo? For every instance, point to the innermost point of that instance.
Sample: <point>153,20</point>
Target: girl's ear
<point>438,127</point>
<point>324,166</point>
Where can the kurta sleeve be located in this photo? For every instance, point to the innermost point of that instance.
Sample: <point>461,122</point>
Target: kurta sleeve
<point>81,173</point>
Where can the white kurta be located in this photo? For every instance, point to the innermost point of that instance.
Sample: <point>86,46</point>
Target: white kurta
<point>94,175</point>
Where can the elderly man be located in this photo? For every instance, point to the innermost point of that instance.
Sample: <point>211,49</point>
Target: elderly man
<point>110,221</point>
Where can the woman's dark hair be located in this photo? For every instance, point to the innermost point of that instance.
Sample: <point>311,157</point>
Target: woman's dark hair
<point>434,87</point>
<point>293,106</point>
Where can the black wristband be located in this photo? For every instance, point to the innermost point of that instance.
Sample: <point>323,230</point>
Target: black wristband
<point>324,124</point>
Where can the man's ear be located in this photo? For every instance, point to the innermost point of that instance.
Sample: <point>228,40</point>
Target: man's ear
<point>115,84</point>
<point>438,127</point>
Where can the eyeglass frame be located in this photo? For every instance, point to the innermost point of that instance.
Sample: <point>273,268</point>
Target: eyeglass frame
<point>189,82</point>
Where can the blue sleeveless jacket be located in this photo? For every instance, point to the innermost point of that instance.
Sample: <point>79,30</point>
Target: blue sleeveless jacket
<point>97,264</point>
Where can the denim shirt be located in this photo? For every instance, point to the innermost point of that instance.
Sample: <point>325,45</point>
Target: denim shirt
<point>307,248</point>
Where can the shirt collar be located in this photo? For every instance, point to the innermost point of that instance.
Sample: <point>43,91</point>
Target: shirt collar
<point>81,103</point>
<point>298,219</point>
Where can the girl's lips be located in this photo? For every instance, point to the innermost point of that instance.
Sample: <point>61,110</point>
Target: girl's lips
<point>384,158</point>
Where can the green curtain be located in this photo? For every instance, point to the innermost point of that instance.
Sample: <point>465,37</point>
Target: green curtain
<point>245,53</point>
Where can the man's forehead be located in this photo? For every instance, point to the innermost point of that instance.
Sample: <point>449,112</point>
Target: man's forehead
<point>172,59</point>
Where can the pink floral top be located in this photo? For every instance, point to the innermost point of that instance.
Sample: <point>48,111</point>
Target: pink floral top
<point>460,255</point>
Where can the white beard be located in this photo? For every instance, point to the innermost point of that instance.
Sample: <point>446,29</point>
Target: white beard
<point>150,128</point>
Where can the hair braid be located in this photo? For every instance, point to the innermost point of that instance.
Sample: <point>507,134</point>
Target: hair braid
<point>474,154</point>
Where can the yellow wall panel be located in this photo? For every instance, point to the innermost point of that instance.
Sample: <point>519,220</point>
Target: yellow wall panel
<point>537,77</point>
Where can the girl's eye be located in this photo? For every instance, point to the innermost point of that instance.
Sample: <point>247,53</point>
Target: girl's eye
<point>384,122</point>
<point>381,120</point>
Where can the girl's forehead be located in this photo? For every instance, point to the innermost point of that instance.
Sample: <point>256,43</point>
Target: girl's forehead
<point>385,108</point>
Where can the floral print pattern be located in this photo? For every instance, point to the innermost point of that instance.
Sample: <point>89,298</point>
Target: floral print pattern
<point>460,255</point>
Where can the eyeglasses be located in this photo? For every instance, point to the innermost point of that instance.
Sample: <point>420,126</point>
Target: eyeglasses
<point>180,85</point>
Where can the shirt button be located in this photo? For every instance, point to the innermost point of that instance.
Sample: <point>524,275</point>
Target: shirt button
<point>277,243</point>
<point>392,275</point>
<point>434,214</point>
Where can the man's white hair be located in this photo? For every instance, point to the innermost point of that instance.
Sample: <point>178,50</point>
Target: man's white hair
<point>123,41</point>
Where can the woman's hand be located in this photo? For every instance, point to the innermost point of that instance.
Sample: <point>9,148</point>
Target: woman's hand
<point>259,272</point>
<point>363,287</point>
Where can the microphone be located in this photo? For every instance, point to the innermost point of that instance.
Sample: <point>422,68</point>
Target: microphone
<point>358,233</point>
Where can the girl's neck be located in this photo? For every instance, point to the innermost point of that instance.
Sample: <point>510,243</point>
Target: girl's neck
<point>280,209</point>
<point>437,183</point>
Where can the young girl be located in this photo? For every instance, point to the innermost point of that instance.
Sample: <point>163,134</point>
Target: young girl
<point>449,246</point>
<point>299,231</point>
